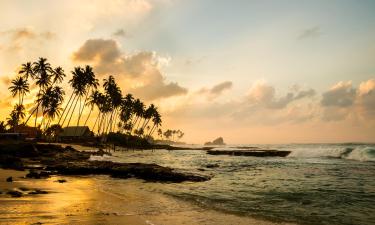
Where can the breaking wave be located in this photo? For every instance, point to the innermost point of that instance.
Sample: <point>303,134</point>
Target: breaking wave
<point>360,153</point>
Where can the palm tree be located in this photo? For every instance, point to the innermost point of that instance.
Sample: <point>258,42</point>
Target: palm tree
<point>12,121</point>
<point>149,112</point>
<point>20,111</point>
<point>115,96</point>
<point>139,109</point>
<point>52,99</point>
<point>42,71</point>
<point>92,101</point>
<point>156,119</point>
<point>58,75</point>
<point>78,84</point>
<point>3,127</point>
<point>91,83</point>
<point>27,70</point>
<point>19,86</point>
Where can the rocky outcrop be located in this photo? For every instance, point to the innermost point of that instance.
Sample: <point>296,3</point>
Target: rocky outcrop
<point>255,153</point>
<point>217,141</point>
<point>68,161</point>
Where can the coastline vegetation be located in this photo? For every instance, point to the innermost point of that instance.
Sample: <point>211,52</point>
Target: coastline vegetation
<point>112,111</point>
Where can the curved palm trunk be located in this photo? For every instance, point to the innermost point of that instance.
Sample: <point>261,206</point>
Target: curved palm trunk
<point>88,116</point>
<point>96,120</point>
<point>62,114</point>
<point>83,107</point>
<point>109,122</point>
<point>71,115</point>
<point>152,130</point>
<point>67,113</point>
<point>37,106</point>
<point>27,120</point>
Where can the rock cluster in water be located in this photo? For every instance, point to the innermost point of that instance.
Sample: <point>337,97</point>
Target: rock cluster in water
<point>55,159</point>
<point>217,141</point>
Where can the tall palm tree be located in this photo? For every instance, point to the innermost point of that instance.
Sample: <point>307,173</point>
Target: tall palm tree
<point>78,84</point>
<point>138,108</point>
<point>58,75</point>
<point>42,71</point>
<point>12,121</point>
<point>92,102</point>
<point>27,70</point>
<point>19,86</point>
<point>156,119</point>
<point>149,112</point>
<point>91,84</point>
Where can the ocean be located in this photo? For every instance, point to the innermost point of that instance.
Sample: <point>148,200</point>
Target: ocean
<point>315,184</point>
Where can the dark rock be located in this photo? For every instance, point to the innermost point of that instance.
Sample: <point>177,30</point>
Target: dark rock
<point>148,172</point>
<point>217,141</point>
<point>255,153</point>
<point>212,165</point>
<point>61,181</point>
<point>24,189</point>
<point>9,179</point>
<point>36,175</point>
<point>68,161</point>
<point>15,194</point>
<point>101,152</point>
<point>38,192</point>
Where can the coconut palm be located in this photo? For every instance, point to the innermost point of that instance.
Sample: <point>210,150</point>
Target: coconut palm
<point>12,121</point>
<point>3,127</point>
<point>58,75</point>
<point>92,102</point>
<point>149,112</point>
<point>78,84</point>
<point>27,70</point>
<point>91,84</point>
<point>42,71</point>
<point>139,109</point>
<point>156,119</point>
<point>19,86</point>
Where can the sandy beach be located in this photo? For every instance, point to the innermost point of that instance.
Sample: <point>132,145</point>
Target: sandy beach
<point>85,200</point>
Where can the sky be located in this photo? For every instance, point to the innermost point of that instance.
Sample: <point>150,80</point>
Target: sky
<point>250,71</point>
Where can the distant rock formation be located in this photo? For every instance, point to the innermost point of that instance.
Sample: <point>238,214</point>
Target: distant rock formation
<point>217,141</point>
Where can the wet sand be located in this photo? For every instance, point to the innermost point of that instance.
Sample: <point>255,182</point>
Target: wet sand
<point>101,200</point>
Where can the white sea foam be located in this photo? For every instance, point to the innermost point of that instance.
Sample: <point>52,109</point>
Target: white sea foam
<point>360,153</point>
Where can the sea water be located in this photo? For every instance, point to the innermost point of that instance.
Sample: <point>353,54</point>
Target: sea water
<point>315,184</point>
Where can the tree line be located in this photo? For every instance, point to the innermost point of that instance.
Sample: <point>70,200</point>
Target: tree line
<point>115,112</point>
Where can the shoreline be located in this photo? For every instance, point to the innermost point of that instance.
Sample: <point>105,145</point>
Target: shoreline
<point>103,200</point>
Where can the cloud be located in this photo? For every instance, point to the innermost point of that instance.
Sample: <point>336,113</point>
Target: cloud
<point>342,101</point>
<point>341,94</point>
<point>366,98</point>
<point>260,106</point>
<point>121,33</point>
<point>216,90</point>
<point>20,36</point>
<point>309,33</point>
<point>262,94</point>
<point>141,71</point>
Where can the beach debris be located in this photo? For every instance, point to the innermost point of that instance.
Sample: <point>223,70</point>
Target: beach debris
<point>15,194</point>
<point>9,179</point>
